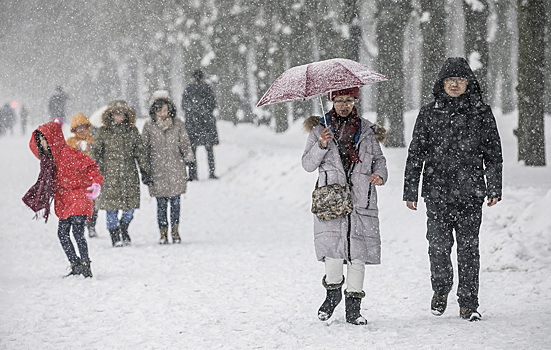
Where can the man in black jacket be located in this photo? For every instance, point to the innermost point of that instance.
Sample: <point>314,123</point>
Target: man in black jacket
<point>457,146</point>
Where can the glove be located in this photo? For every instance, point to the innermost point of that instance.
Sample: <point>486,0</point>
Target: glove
<point>146,179</point>
<point>95,188</point>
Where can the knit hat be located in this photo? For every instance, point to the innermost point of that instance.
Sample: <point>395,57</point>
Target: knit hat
<point>353,91</point>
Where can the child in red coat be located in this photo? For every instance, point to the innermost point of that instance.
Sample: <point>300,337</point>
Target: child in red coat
<point>73,180</point>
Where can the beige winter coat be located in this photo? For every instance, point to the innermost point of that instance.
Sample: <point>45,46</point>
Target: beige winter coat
<point>168,152</point>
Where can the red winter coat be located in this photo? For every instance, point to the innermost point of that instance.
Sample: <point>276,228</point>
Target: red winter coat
<point>75,172</point>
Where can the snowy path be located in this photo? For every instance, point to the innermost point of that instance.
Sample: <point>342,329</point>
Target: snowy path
<point>245,276</point>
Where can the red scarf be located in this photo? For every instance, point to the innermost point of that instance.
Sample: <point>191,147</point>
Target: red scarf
<point>346,129</point>
<point>41,194</point>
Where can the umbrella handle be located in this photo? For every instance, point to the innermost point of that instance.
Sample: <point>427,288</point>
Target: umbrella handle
<point>322,111</point>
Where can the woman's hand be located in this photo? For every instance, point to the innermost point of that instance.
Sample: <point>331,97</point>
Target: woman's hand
<point>376,180</point>
<point>325,136</point>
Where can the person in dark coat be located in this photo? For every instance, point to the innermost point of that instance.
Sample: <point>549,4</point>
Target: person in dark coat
<point>198,103</point>
<point>58,103</point>
<point>7,119</point>
<point>457,146</point>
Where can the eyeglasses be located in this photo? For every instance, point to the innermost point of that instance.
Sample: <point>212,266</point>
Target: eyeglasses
<point>459,81</point>
<point>348,101</point>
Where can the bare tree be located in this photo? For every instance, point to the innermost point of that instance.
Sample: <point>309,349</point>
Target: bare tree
<point>392,18</point>
<point>476,44</point>
<point>433,20</point>
<point>530,132</point>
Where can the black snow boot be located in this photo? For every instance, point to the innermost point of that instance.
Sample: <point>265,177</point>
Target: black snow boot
<point>333,298</point>
<point>123,226</point>
<point>116,237</point>
<point>438,304</point>
<point>86,269</point>
<point>469,313</point>
<point>352,302</point>
<point>76,269</point>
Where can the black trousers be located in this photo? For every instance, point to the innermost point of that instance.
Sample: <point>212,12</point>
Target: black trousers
<point>63,232</point>
<point>210,159</point>
<point>464,218</point>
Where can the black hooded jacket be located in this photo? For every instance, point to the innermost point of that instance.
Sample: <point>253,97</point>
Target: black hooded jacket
<point>455,143</point>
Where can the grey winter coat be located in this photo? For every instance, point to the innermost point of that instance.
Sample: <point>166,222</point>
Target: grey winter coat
<point>356,236</point>
<point>168,152</point>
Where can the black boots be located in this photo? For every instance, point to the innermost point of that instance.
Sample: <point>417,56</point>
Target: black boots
<point>85,268</point>
<point>75,269</point>
<point>119,233</point>
<point>123,226</point>
<point>333,298</point>
<point>115,237</point>
<point>469,313</point>
<point>438,304</point>
<point>80,267</point>
<point>352,301</point>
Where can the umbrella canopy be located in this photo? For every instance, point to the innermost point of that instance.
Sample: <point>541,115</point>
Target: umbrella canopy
<point>310,80</point>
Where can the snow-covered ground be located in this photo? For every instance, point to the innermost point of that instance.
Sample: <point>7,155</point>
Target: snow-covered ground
<point>245,275</point>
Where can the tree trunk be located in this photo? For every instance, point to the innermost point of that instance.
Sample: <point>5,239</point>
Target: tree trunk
<point>530,132</point>
<point>433,21</point>
<point>352,43</point>
<point>476,44</point>
<point>391,24</point>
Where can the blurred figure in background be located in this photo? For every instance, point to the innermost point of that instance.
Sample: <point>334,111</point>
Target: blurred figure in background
<point>7,119</point>
<point>58,103</point>
<point>82,142</point>
<point>198,103</point>
<point>24,119</point>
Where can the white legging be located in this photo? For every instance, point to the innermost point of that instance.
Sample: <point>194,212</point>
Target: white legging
<point>355,273</point>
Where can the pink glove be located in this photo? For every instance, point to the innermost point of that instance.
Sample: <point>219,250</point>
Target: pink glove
<point>95,188</point>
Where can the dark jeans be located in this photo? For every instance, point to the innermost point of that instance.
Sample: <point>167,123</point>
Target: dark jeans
<point>162,211</point>
<point>442,219</point>
<point>210,158</point>
<point>63,232</point>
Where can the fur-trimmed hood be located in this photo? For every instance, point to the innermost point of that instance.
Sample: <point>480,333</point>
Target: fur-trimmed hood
<point>313,121</point>
<point>107,116</point>
<point>156,105</point>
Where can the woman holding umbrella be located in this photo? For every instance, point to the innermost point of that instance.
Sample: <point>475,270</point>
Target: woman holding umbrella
<point>344,148</point>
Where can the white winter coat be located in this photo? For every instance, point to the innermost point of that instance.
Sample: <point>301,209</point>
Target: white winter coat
<point>355,236</point>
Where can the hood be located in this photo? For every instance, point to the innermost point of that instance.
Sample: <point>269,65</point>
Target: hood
<point>53,134</point>
<point>155,106</point>
<point>107,116</point>
<point>457,67</point>
<point>79,119</point>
